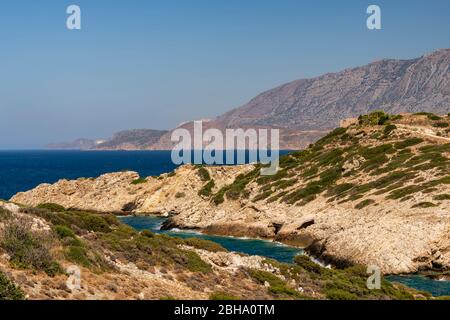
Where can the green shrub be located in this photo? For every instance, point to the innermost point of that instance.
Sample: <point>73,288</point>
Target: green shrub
<point>28,250</point>
<point>93,222</point>
<point>403,192</point>
<point>408,143</point>
<point>222,296</point>
<point>196,264</point>
<point>442,197</point>
<point>306,263</point>
<point>375,118</point>
<point>396,117</point>
<point>179,195</point>
<point>429,115</point>
<point>308,173</point>
<point>371,153</point>
<point>339,294</point>
<point>219,197</point>
<point>203,174</point>
<point>8,290</point>
<point>206,190</point>
<point>433,148</point>
<point>5,214</point>
<point>434,117</point>
<point>364,203</point>
<point>147,234</point>
<point>237,189</point>
<point>424,205</point>
<point>329,137</point>
<point>53,207</point>
<point>77,220</point>
<point>204,244</point>
<point>139,181</point>
<point>339,189</point>
<point>389,128</point>
<point>276,285</point>
<point>78,255</point>
<point>441,125</point>
<point>263,195</point>
<point>64,232</point>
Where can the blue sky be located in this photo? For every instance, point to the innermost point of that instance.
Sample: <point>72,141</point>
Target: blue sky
<point>155,63</point>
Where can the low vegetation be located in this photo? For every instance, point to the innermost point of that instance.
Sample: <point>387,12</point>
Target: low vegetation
<point>179,195</point>
<point>86,238</point>
<point>28,249</point>
<point>337,284</point>
<point>8,290</point>
<point>206,191</point>
<point>388,159</point>
<point>203,173</point>
<point>222,296</point>
<point>139,181</point>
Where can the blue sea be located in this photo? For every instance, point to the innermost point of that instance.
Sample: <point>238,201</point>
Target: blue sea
<point>24,170</point>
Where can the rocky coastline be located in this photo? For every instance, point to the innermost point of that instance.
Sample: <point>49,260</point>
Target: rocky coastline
<point>370,200</point>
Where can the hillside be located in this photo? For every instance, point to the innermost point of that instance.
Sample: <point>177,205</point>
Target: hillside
<point>78,144</point>
<point>135,139</point>
<point>38,245</point>
<point>132,139</point>
<point>376,192</point>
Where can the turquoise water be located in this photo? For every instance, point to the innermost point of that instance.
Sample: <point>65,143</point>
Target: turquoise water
<point>274,250</point>
<point>435,287</point>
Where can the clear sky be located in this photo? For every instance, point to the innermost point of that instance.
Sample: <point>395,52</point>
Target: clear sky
<point>155,63</point>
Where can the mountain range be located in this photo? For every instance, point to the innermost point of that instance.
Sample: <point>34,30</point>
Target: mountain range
<point>305,110</point>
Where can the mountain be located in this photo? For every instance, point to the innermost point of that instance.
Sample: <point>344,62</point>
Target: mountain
<point>79,144</point>
<point>132,139</point>
<point>394,86</point>
<point>305,110</point>
<point>124,140</point>
<point>374,193</point>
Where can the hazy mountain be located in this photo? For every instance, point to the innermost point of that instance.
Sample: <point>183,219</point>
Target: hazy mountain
<point>124,140</point>
<point>79,144</point>
<point>304,110</point>
<point>132,139</point>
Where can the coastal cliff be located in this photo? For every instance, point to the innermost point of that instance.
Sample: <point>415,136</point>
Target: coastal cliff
<point>374,193</point>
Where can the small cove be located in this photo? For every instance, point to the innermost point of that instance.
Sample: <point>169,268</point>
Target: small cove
<point>273,250</point>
